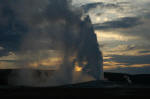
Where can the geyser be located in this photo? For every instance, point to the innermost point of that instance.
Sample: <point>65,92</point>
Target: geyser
<point>54,43</point>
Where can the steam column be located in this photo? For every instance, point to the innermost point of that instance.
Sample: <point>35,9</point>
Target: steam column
<point>92,52</point>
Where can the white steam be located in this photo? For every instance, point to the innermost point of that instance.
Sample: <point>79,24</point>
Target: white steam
<point>58,38</point>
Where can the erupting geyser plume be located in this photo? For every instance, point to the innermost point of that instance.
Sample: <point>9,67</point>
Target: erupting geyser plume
<point>53,35</point>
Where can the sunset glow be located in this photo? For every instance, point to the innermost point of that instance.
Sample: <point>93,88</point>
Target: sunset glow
<point>78,69</point>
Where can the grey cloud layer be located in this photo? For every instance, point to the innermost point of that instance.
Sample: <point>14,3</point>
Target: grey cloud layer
<point>127,22</point>
<point>130,60</point>
<point>90,6</point>
<point>132,70</point>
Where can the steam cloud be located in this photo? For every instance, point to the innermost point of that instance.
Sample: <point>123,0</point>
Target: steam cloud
<point>55,34</point>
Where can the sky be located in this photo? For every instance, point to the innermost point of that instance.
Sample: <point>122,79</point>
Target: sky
<point>122,28</point>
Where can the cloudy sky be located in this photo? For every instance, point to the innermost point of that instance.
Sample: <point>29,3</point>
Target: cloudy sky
<point>123,31</point>
<point>122,28</point>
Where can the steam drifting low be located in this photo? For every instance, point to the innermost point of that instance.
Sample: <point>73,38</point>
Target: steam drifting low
<point>53,35</point>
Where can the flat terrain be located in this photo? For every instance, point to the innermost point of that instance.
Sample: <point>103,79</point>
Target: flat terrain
<point>115,85</point>
<point>74,90</point>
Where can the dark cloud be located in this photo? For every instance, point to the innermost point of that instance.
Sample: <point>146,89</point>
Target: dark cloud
<point>4,52</point>
<point>9,61</point>
<point>90,6</point>
<point>129,26</point>
<point>130,60</point>
<point>126,22</point>
<point>147,15</point>
<point>141,30</point>
<point>132,70</point>
<point>144,51</point>
<point>11,28</point>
